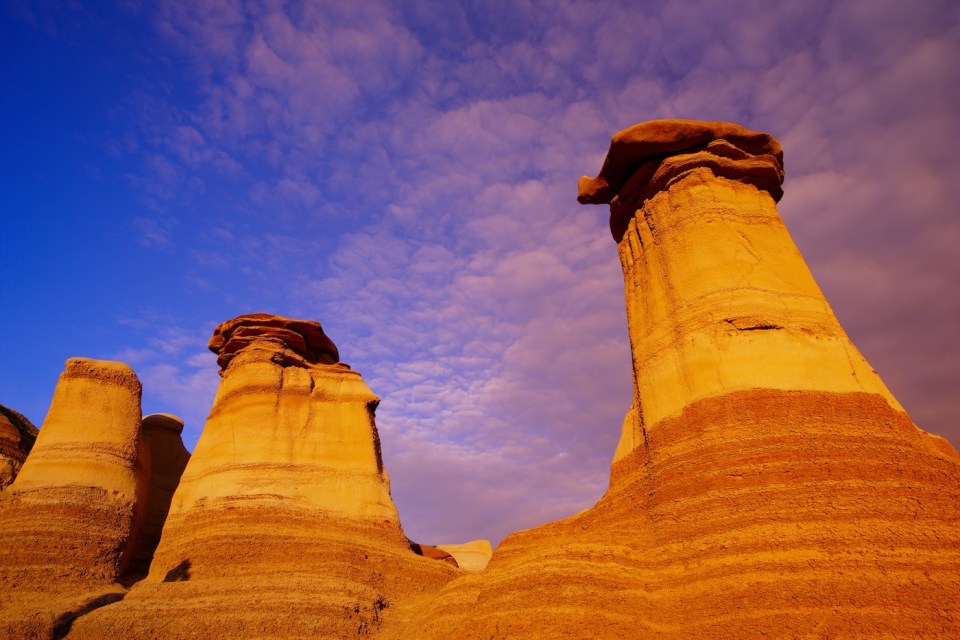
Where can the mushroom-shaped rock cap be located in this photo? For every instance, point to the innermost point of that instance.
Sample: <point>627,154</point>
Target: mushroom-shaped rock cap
<point>297,342</point>
<point>648,157</point>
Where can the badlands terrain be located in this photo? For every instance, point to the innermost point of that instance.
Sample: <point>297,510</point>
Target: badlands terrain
<point>766,482</point>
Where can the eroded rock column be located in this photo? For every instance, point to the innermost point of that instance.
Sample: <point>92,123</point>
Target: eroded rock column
<point>70,520</point>
<point>282,524</point>
<point>161,434</point>
<point>718,297</point>
<point>776,467</point>
<point>766,483</point>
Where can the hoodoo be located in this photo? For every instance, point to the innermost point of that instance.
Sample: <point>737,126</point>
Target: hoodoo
<point>69,522</point>
<point>766,482</point>
<point>167,459</point>
<point>282,524</point>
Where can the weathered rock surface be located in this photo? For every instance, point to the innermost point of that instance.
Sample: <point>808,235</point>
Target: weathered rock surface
<point>647,158</point>
<point>282,524</point>
<point>161,434</point>
<point>434,553</point>
<point>68,523</point>
<point>17,436</point>
<point>766,482</point>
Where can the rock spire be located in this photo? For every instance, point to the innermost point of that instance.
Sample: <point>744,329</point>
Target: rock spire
<point>69,522</point>
<point>766,481</point>
<point>283,515</point>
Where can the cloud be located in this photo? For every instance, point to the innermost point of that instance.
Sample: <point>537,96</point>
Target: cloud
<point>405,173</point>
<point>185,389</point>
<point>177,372</point>
<point>153,232</point>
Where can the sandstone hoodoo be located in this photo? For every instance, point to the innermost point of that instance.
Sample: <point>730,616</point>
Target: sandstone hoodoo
<point>17,436</point>
<point>282,524</point>
<point>69,521</point>
<point>167,459</point>
<point>766,482</point>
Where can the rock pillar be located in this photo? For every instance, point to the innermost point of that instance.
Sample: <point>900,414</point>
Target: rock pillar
<point>766,483</point>
<point>282,524</point>
<point>71,518</point>
<point>776,467</point>
<point>718,297</point>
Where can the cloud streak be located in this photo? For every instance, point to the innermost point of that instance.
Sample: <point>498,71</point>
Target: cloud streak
<point>476,297</point>
<point>404,172</point>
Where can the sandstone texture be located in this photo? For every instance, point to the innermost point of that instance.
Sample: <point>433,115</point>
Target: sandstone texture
<point>68,523</point>
<point>766,483</point>
<point>17,436</point>
<point>282,524</point>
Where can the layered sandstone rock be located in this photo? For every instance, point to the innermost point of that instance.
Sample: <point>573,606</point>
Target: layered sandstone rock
<point>69,521</point>
<point>17,436</point>
<point>766,482</point>
<point>282,524</point>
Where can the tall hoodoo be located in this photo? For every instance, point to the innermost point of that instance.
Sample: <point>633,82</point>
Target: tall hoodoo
<point>718,297</point>
<point>766,482</point>
<point>283,515</point>
<point>71,519</point>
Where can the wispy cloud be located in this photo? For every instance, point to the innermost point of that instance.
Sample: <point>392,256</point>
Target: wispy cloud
<point>405,173</point>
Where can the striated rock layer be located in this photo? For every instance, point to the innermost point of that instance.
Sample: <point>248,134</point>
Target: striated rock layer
<point>282,524</point>
<point>69,521</point>
<point>17,436</point>
<point>766,482</point>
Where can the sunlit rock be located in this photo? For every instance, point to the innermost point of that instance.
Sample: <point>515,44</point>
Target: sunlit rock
<point>282,524</point>
<point>470,556</point>
<point>70,520</point>
<point>766,483</point>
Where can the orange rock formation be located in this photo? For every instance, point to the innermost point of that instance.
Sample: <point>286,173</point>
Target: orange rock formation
<point>67,522</point>
<point>282,524</point>
<point>766,483</point>
<point>85,512</point>
<point>17,436</point>
<point>167,460</point>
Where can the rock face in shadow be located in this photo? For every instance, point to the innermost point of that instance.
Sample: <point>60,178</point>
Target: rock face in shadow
<point>17,436</point>
<point>766,482</point>
<point>282,524</point>
<point>161,434</point>
<point>69,521</point>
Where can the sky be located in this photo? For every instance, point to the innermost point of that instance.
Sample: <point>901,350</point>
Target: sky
<point>405,173</point>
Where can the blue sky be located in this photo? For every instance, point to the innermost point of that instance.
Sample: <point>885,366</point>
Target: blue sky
<point>405,173</point>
